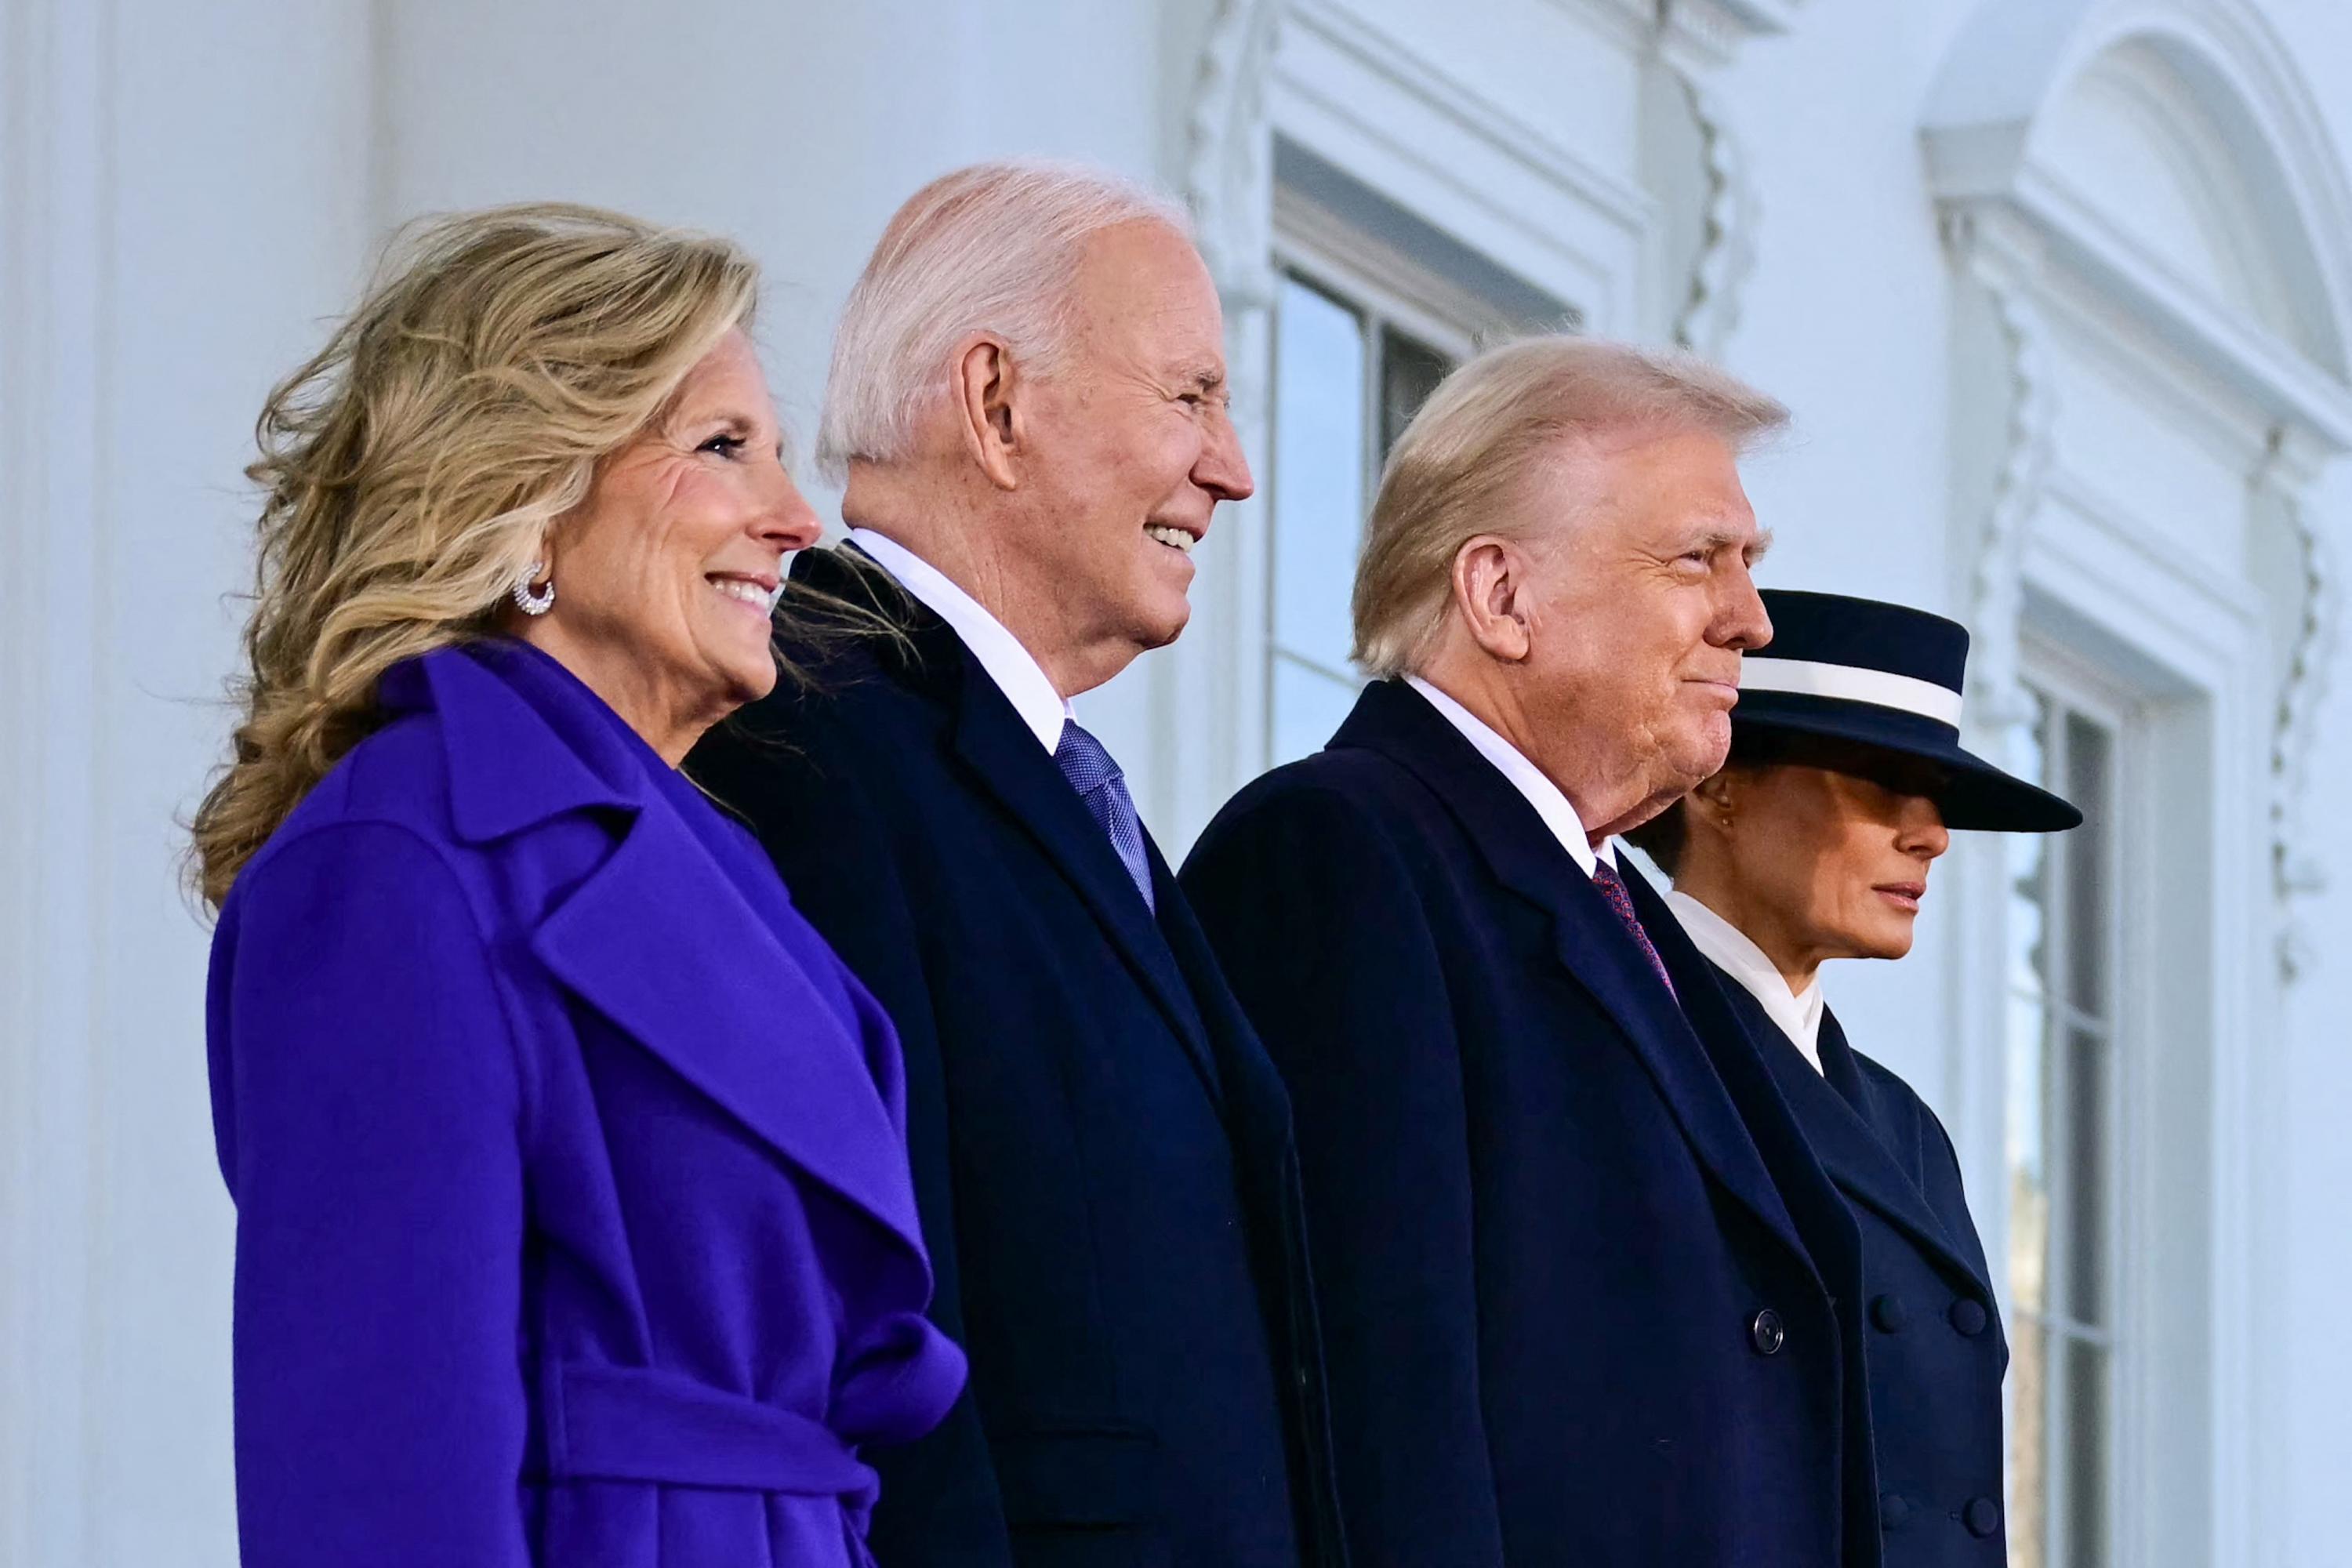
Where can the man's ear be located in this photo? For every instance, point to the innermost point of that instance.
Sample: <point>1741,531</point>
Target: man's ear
<point>1490,590</point>
<point>986,415</point>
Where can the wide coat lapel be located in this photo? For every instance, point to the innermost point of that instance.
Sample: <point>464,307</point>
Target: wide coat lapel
<point>659,940</point>
<point>1849,1149</point>
<point>1002,758</point>
<point>1590,942</point>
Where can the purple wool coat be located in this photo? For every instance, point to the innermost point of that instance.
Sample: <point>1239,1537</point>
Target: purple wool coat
<point>574,1224</point>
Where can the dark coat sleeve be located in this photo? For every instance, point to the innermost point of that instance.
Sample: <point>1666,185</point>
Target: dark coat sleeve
<point>369,1107</point>
<point>1318,925</point>
<point>841,867</point>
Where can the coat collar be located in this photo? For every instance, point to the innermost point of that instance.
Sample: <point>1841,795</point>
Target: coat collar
<point>657,937</point>
<point>525,739</point>
<point>1001,754</point>
<point>1522,854</point>
<point>1853,1153</point>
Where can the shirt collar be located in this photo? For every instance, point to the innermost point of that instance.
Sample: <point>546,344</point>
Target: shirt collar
<point>1524,775</point>
<point>1014,667</point>
<point>1798,1014</point>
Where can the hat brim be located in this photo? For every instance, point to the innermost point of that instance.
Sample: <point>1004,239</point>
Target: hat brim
<point>1976,797</point>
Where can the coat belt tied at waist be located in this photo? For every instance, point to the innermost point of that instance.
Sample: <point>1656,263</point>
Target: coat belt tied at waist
<point>635,1424</point>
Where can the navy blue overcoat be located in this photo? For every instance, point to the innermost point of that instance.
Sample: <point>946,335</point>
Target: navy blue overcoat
<point>1576,1267</point>
<point>1934,1343</point>
<point>573,1221</point>
<point>1102,1149</point>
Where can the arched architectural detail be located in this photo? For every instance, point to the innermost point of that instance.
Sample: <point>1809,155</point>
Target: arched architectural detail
<point>2270,337</point>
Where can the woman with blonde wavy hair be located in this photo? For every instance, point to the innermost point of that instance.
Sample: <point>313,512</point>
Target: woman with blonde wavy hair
<point>574,1218</point>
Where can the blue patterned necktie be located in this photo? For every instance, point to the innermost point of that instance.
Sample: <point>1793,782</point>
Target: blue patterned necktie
<point>1612,888</point>
<point>1103,788</point>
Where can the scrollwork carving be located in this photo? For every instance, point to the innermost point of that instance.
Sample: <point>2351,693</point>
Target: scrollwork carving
<point>2278,489</point>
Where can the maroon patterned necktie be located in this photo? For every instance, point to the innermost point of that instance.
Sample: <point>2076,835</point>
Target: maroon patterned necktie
<point>1612,888</point>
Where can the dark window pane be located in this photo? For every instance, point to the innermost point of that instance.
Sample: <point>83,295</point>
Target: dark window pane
<point>2029,1444</point>
<point>1410,372</point>
<point>2088,896</point>
<point>2086,1177</point>
<point>2086,1456</point>
<point>1318,470</point>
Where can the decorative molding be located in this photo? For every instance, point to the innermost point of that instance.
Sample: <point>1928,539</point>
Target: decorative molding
<point>2014,57</point>
<point>1229,159</point>
<point>2014,60</point>
<point>1695,40</point>
<point>2278,488</point>
<point>1210,687</point>
<point>2004,261</point>
<point>1601,191</point>
<point>1727,255</point>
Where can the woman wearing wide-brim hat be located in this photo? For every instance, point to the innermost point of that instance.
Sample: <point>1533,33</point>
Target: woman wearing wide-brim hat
<point>1845,782</point>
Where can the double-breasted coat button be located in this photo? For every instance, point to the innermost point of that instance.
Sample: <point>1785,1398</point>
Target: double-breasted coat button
<point>1766,1333</point>
<point>1894,1513</point>
<point>1968,1316</point>
<point>1890,1314</point>
<point>1982,1515</point>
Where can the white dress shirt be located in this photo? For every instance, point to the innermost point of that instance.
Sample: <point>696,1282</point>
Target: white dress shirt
<point>1524,776</point>
<point>1014,668</point>
<point>1797,1013</point>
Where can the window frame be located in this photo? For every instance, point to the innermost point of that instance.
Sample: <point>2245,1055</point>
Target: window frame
<point>1388,290</point>
<point>2072,685</point>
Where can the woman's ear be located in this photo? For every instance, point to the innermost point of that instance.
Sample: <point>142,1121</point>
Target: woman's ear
<point>1715,799</point>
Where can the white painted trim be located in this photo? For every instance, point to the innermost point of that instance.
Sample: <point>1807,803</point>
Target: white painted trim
<point>1363,101</point>
<point>1208,687</point>
<point>1851,683</point>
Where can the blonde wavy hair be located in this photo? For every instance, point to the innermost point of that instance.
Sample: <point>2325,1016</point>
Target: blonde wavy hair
<point>411,469</point>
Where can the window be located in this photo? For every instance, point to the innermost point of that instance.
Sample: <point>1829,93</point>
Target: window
<point>2065,942</point>
<point>1374,308</point>
<point>1348,378</point>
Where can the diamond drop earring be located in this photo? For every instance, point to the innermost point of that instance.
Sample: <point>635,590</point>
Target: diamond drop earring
<point>530,601</point>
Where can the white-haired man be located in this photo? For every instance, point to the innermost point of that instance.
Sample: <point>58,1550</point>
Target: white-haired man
<point>1028,403</point>
<point>1579,1279</point>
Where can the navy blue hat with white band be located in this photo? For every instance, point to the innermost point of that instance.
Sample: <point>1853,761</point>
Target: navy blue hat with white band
<point>1888,678</point>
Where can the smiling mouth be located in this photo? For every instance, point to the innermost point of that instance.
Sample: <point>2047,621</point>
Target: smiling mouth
<point>1176,539</point>
<point>760,596</point>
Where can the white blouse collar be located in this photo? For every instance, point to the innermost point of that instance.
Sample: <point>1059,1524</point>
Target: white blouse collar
<point>1798,1015</point>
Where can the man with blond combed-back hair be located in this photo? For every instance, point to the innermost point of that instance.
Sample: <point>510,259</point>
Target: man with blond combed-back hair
<point>1585,1296</point>
<point>1028,405</point>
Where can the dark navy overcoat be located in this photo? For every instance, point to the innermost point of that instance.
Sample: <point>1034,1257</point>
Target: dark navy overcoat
<point>1933,1343</point>
<point>1577,1271</point>
<point>574,1224</point>
<point>1102,1149</point>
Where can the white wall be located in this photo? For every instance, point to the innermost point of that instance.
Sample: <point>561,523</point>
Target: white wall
<point>186,193</point>
<point>185,199</point>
